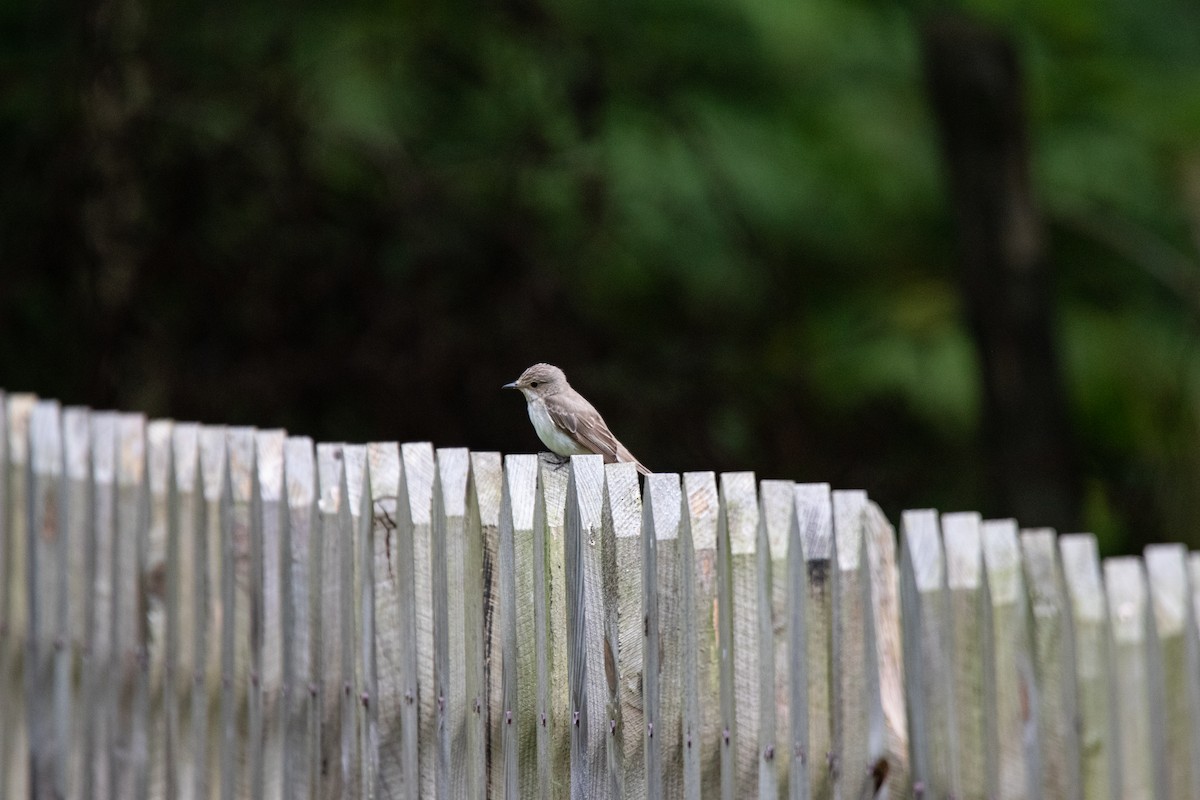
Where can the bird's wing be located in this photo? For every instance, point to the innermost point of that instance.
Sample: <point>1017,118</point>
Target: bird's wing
<point>587,427</point>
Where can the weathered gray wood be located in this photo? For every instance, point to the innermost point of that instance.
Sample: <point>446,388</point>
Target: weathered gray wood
<point>484,489</point>
<point>184,576</point>
<point>777,504</point>
<point>1054,705</point>
<point>518,667</point>
<point>390,712</point>
<point>130,755</point>
<point>458,585</point>
<point>856,700</point>
<point>550,627</point>
<point>362,512</point>
<point>239,695</point>
<point>351,516</point>
<point>491,488</point>
<point>927,649</point>
<point>965,598</point>
<point>14,587</point>
<point>702,741</point>
<point>662,643</point>
<point>811,628</point>
<point>99,668</point>
<point>300,589</point>
<point>163,729</point>
<point>1099,761</point>
<point>591,661</point>
<point>74,709</point>
<point>329,632</point>
<point>1177,677</point>
<point>1008,663</point>
<point>267,622</point>
<point>520,481</point>
<point>45,599</point>
<point>737,613</point>
<point>1129,615</point>
<point>209,695</point>
<point>888,738</point>
<point>417,490</point>
<point>622,520</point>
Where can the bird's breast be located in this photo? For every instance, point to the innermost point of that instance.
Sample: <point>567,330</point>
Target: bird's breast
<point>559,442</point>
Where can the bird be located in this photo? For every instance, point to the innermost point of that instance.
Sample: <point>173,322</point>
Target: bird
<point>564,420</point>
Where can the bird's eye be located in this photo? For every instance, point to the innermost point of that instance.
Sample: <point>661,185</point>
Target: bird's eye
<point>535,384</point>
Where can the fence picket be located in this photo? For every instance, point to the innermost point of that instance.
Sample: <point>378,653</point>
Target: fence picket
<point>351,516</point>
<point>327,619</point>
<point>1176,658</point>
<point>458,585</point>
<point>1008,665</point>
<point>856,701</point>
<point>14,740</point>
<point>622,520</point>
<point>75,708</point>
<point>888,741</point>
<point>161,650</point>
<point>484,489</point>
<point>811,635</point>
<point>550,627</point>
<point>701,657</point>
<point>962,545</point>
<point>1142,771</point>
<point>300,581</point>
<point>268,572</point>
<point>591,657</point>
<point>1098,757</point>
<point>46,572</point>
<point>519,668</point>
<point>130,756</point>
<point>928,682</point>
<point>1053,702</point>
<point>662,654</point>
<point>737,616</point>
<point>777,505</point>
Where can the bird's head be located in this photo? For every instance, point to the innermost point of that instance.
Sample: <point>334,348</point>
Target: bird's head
<point>540,380</point>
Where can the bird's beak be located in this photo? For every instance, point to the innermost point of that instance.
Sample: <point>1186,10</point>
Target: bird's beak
<point>512,385</point>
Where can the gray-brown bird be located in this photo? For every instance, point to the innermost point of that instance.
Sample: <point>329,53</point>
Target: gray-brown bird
<point>566,422</point>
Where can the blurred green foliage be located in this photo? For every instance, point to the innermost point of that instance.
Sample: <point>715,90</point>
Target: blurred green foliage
<point>726,221</point>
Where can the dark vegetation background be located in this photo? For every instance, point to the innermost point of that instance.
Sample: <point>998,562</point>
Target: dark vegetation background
<point>953,258</point>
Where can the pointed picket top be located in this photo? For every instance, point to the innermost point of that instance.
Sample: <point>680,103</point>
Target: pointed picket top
<point>454,466</point>
<point>777,505</point>
<point>45,438</point>
<point>739,504</point>
<point>418,475</point>
<point>703,508</point>
<point>1002,561</point>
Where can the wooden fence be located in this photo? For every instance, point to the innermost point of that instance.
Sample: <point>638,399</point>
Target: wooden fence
<point>195,611</point>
